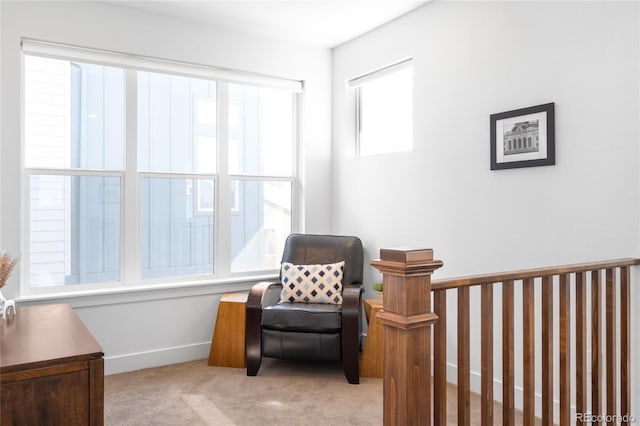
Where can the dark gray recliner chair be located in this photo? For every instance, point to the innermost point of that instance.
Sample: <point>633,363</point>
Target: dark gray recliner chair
<point>315,331</point>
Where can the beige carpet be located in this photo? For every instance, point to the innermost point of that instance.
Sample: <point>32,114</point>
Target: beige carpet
<point>284,393</point>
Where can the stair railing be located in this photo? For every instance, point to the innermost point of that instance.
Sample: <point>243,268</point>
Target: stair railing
<point>597,285</point>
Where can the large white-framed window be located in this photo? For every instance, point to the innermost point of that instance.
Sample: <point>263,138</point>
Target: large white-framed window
<point>142,171</point>
<point>384,109</point>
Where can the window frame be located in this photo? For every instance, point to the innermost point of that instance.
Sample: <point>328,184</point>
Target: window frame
<point>131,177</point>
<point>70,172</point>
<point>259,178</point>
<point>356,85</point>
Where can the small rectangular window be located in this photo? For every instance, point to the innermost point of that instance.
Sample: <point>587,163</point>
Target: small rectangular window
<point>384,110</point>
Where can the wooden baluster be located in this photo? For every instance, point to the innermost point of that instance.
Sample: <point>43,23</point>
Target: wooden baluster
<point>565,351</point>
<point>581,344</point>
<point>464,366</point>
<point>440,359</point>
<point>602,328</point>
<point>486,354</point>
<point>508,387</point>
<point>625,342</point>
<point>528,352</point>
<point>611,344</point>
<point>596,344</point>
<point>547,350</point>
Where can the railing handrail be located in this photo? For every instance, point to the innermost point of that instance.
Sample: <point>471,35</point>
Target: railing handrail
<point>473,280</point>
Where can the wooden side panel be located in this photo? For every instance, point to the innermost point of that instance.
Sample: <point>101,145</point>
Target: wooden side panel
<point>96,392</point>
<point>371,362</point>
<point>228,341</point>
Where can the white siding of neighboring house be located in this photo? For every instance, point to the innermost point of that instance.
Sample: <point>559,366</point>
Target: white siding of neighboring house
<point>47,130</point>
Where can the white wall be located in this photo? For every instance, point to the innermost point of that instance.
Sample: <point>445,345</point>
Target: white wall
<point>151,328</point>
<point>473,59</point>
<point>0,127</point>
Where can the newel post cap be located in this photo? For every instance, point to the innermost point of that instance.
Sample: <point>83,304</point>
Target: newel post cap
<point>406,261</point>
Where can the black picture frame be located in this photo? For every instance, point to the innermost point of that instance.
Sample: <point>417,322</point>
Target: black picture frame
<point>523,137</point>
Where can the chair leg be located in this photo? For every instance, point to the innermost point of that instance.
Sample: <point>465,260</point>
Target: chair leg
<point>351,366</point>
<point>253,364</point>
<point>351,315</point>
<point>253,351</point>
<point>253,343</point>
<point>353,376</point>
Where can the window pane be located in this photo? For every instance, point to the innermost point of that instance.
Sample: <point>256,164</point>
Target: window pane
<point>176,124</point>
<point>260,224</point>
<point>74,115</point>
<point>386,114</point>
<point>177,227</point>
<point>74,230</point>
<point>260,131</point>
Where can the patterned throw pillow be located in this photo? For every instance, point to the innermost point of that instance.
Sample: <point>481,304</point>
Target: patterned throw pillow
<point>312,283</point>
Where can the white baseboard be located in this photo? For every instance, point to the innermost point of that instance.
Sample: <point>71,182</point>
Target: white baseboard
<point>155,358</point>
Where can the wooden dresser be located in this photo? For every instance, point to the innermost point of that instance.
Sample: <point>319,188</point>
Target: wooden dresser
<point>51,369</point>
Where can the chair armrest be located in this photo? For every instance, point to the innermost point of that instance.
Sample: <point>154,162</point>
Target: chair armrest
<point>262,294</point>
<point>352,312</point>
<point>351,328</point>
<point>352,297</point>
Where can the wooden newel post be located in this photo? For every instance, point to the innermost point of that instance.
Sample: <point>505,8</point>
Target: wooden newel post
<point>407,320</point>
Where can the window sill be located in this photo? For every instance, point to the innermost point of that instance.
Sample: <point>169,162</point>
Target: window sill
<point>143,293</point>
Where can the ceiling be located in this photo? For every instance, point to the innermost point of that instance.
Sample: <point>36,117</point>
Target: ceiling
<point>325,23</point>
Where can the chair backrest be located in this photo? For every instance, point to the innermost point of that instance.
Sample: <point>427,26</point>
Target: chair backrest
<point>309,249</point>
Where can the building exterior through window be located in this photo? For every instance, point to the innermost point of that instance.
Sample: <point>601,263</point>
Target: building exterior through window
<point>207,155</point>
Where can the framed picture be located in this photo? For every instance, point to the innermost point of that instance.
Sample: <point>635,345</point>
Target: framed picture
<point>523,138</point>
